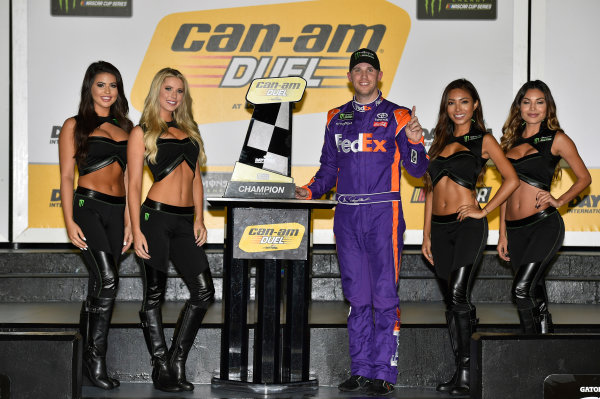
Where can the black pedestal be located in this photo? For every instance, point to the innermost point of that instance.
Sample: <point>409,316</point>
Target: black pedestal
<point>513,366</point>
<point>273,234</point>
<point>40,365</point>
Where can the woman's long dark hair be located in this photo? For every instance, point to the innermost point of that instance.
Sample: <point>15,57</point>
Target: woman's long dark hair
<point>86,118</point>
<point>444,129</point>
<point>515,125</point>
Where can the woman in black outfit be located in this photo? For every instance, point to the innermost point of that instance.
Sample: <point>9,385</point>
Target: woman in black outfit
<point>531,228</point>
<point>455,227</point>
<point>170,223</point>
<point>96,217</point>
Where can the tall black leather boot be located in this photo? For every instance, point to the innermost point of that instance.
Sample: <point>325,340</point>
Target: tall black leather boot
<point>84,322</point>
<point>546,325</point>
<point>541,297</point>
<point>448,385</point>
<point>186,329</point>
<point>155,340</point>
<point>465,326</point>
<point>530,320</point>
<point>94,323</point>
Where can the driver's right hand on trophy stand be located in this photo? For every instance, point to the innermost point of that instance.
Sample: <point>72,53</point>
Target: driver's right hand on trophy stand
<point>302,193</point>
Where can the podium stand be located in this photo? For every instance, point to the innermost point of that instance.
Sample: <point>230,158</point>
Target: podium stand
<point>275,234</point>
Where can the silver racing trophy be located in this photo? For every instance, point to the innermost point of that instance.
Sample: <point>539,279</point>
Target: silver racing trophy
<point>264,167</point>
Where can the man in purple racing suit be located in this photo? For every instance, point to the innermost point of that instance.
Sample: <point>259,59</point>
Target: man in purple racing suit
<point>366,141</point>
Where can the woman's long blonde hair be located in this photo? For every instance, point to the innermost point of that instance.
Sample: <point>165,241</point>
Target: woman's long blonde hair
<point>153,124</point>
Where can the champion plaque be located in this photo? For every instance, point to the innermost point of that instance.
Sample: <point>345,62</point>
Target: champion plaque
<point>265,163</point>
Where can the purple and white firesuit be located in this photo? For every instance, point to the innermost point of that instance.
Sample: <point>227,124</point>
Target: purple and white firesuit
<point>365,144</point>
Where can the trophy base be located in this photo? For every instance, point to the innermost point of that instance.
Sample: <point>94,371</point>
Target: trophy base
<point>219,384</point>
<point>242,189</point>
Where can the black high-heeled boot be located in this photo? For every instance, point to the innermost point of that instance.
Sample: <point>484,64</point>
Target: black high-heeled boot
<point>541,297</point>
<point>84,323</point>
<point>94,323</point>
<point>465,326</point>
<point>546,325</point>
<point>155,340</point>
<point>447,386</point>
<point>530,320</point>
<point>184,335</point>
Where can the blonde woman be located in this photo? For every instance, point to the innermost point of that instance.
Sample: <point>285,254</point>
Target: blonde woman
<point>531,229</point>
<point>170,223</point>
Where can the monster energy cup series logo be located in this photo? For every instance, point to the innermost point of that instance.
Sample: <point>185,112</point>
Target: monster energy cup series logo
<point>456,9</point>
<point>94,8</point>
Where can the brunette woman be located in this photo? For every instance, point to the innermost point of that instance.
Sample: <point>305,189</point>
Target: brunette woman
<point>95,214</point>
<point>455,227</point>
<point>170,223</point>
<point>531,228</point>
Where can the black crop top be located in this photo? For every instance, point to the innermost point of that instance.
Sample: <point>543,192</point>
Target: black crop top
<point>537,169</point>
<point>463,167</point>
<point>103,151</point>
<point>171,153</point>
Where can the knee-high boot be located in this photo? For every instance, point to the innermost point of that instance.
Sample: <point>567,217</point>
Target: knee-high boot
<point>546,325</point>
<point>94,323</point>
<point>465,326</point>
<point>155,340</point>
<point>530,296</point>
<point>530,320</point>
<point>84,322</point>
<point>186,329</point>
<point>448,385</point>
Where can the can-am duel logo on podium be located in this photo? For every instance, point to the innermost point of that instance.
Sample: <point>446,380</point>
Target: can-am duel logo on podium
<point>271,237</point>
<point>221,51</point>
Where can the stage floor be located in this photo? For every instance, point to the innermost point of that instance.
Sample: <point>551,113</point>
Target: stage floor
<point>147,391</point>
<point>320,314</point>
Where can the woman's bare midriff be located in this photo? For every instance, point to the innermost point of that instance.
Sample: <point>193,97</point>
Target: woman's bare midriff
<point>448,196</point>
<point>108,180</point>
<point>176,188</point>
<point>522,201</point>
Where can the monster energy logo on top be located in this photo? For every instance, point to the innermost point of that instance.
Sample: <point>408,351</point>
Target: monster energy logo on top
<point>467,138</point>
<point>92,8</point>
<point>542,139</point>
<point>456,9</point>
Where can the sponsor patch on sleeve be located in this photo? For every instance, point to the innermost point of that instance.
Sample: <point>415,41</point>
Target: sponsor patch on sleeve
<point>413,156</point>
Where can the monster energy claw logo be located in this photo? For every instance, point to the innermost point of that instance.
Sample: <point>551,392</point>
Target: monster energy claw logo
<point>363,54</point>
<point>81,202</point>
<point>66,5</point>
<point>430,6</point>
<point>146,216</point>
